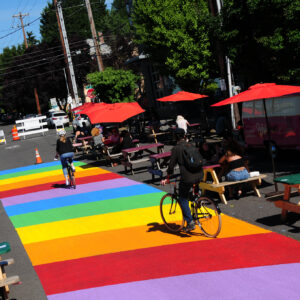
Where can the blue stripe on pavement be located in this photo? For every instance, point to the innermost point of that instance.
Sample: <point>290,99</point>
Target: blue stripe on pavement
<point>24,208</point>
<point>32,167</point>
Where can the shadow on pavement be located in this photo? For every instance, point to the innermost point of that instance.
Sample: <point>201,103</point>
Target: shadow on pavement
<point>59,185</point>
<point>275,220</point>
<point>162,228</point>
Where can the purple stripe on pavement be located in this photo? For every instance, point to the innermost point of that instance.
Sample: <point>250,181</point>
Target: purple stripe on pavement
<point>62,192</point>
<point>268,282</point>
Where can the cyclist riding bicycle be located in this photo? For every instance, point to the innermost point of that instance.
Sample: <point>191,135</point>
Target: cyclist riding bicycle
<point>64,149</point>
<point>189,175</point>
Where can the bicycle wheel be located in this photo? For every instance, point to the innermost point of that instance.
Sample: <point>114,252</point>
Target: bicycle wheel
<point>208,217</point>
<point>171,213</point>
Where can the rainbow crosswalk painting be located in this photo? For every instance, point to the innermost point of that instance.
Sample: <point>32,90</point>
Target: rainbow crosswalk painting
<point>106,240</point>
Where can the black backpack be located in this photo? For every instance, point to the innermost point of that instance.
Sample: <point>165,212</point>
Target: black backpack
<point>192,159</point>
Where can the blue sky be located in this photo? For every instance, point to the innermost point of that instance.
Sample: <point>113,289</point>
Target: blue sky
<point>8,24</point>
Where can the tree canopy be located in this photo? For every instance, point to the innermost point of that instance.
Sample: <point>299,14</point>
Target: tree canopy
<point>42,67</point>
<point>262,38</point>
<point>113,85</point>
<point>75,18</point>
<point>176,35</point>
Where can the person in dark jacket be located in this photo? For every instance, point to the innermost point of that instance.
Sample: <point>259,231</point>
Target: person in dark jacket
<point>64,149</point>
<point>187,178</point>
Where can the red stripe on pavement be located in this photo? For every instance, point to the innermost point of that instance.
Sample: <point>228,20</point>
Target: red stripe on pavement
<point>51,185</point>
<point>171,260</point>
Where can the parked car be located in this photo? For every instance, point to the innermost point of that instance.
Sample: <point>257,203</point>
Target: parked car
<point>10,118</point>
<point>57,118</point>
<point>29,116</point>
<point>79,120</point>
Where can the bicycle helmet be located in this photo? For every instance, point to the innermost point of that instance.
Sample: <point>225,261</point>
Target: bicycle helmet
<point>62,132</point>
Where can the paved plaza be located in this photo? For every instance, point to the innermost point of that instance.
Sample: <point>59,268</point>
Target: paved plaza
<point>106,240</point>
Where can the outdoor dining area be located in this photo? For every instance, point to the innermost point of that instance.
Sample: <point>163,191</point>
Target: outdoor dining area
<point>140,145</point>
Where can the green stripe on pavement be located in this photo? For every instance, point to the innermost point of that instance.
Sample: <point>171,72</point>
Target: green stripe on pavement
<point>87,209</point>
<point>35,171</point>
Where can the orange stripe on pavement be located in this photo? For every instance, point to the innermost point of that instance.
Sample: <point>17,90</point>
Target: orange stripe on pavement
<point>42,180</point>
<point>126,239</point>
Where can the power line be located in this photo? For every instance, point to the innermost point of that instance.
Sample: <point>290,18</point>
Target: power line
<point>50,59</point>
<point>44,52</point>
<point>2,37</point>
<point>39,74</point>
<point>34,66</point>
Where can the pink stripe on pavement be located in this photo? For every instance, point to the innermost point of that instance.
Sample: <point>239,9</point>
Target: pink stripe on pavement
<point>63,192</point>
<point>269,282</point>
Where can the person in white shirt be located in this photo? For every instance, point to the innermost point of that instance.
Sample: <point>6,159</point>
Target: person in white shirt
<point>182,123</point>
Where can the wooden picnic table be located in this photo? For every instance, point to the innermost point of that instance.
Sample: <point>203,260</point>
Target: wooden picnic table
<point>85,138</point>
<point>128,160</point>
<point>159,164</point>
<point>85,143</point>
<point>195,124</point>
<point>289,182</point>
<point>215,185</point>
<point>109,148</point>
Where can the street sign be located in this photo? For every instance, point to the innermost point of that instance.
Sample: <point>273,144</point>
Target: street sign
<point>90,93</point>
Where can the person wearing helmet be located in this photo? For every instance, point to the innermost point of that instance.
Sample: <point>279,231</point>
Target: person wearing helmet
<point>64,149</point>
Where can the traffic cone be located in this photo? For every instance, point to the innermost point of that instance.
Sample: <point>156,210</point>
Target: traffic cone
<point>14,132</point>
<point>37,157</point>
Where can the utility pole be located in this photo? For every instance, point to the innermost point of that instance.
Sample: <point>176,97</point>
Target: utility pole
<point>219,4</point>
<point>36,96</point>
<point>69,82</point>
<point>65,43</point>
<point>21,16</point>
<point>94,34</point>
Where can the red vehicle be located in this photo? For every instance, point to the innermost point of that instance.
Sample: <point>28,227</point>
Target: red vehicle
<point>284,119</point>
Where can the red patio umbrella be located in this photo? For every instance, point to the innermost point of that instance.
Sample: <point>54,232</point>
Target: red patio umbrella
<point>262,91</point>
<point>114,113</point>
<point>181,96</point>
<point>93,107</point>
<point>83,106</point>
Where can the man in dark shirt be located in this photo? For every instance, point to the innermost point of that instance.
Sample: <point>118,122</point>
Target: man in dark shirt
<point>187,178</point>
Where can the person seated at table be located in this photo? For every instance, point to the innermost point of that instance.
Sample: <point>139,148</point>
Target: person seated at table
<point>126,142</point>
<point>78,134</point>
<point>114,136</point>
<point>207,152</point>
<point>182,123</point>
<point>234,164</point>
<point>85,129</point>
<point>98,138</point>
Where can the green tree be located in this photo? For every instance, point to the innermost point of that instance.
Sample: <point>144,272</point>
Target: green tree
<point>75,17</point>
<point>176,35</point>
<point>7,57</point>
<point>31,39</point>
<point>113,86</point>
<point>42,67</point>
<point>118,35</point>
<point>262,38</point>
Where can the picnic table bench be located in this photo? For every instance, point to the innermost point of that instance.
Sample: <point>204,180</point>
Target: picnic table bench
<point>289,182</point>
<point>158,164</point>
<point>4,280</point>
<point>85,144</point>
<point>128,160</point>
<point>219,187</point>
<point>109,148</point>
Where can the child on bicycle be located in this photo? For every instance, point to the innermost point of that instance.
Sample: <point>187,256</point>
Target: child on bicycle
<point>64,149</point>
<point>188,177</point>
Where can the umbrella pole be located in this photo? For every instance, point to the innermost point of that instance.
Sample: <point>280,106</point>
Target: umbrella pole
<point>269,146</point>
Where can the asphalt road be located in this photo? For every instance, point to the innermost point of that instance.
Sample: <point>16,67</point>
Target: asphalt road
<point>250,208</point>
